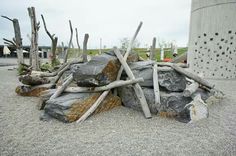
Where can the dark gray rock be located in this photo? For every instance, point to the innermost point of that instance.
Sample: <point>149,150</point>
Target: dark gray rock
<point>71,106</point>
<point>169,80</point>
<point>170,101</point>
<point>99,71</point>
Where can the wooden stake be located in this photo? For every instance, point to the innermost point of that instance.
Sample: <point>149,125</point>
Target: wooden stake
<point>70,43</point>
<point>138,90</point>
<point>156,85</point>
<point>85,57</point>
<point>77,41</point>
<point>153,54</point>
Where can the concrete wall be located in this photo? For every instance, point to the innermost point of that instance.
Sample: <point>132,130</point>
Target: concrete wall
<point>212,39</point>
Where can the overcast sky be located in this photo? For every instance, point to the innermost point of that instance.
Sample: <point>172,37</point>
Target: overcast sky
<point>110,20</point>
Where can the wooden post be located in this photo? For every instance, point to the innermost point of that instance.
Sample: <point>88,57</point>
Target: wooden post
<point>70,43</point>
<point>53,44</point>
<point>77,41</point>
<point>34,39</point>
<point>100,50</point>
<point>137,88</point>
<point>85,57</point>
<point>153,53</point>
<point>17,41</point>
<point>156,85</point>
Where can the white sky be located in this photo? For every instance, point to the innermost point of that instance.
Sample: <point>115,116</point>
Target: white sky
<point>110,20</point>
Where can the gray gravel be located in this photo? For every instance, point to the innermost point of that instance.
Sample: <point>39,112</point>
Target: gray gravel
<point>121,131</point>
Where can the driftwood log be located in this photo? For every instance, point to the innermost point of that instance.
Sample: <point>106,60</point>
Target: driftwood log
<point>34,39</point>
<point>70,43</point>
<point>54,40</point>
<point>152,53</point>
<point>137,87</point>
<point>156,85</point>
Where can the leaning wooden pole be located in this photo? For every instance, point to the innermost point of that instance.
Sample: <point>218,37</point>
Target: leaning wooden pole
<point>156,85</point>
<point>77,41</point>
<point>137,88</point>
<point>34,39</point>
<point>70,43</point>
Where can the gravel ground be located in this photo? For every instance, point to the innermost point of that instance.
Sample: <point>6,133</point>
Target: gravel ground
<point>120,131</point>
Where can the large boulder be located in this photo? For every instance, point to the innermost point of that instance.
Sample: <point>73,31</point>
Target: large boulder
<point>169,80</point>
<point>170,101</point>
<point>71,106</point>
<point>100,70</point>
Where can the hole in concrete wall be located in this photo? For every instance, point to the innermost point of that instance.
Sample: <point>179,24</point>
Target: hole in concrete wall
<point>231,37</point>
<point>216,34</point>
<point>222,39</point>
<point>195,43</point>
<point>231,43</point>
<point>229,31</point>
<point>205,42</point>
<point>227,49</point>
<point>220,47</point>
<point>205,34</point>
<point>226,41</point>
<point>211,39</point>
<point>223,53</point>
<point>217,55</point>
<point>218,43</point>
<point>199,36</point>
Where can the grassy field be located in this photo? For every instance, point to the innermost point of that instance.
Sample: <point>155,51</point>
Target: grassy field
<point>140,51</point>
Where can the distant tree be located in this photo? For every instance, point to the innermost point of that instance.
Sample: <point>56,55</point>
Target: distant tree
<point>125,42</point>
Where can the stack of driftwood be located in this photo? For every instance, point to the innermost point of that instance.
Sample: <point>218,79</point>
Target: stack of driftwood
<point>78,89</point>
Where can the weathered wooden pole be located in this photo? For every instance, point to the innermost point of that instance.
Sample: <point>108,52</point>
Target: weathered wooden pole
<point>53,44</point>
<point>153,53</point>
<point>100,50</point>
<point>17,41</point>
<point>77,41</point>
<point>70,43</point>
<point>85,57</point>
<point>137,88</point>
<point>34,39</point>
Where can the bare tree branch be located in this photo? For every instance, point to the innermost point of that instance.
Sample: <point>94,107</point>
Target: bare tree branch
<point>70,43</point>
<point>9,42</point>
<point>7,18</point>
<point>77,39</point>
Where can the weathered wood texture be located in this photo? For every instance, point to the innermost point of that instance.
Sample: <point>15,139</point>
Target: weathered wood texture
<point>153,53</point>
<point>85,55</point>
<point>156,85</point>
<point>77,41</point>
<point>70,107</point>
<point>54,40</point>
<point>33,80</point>
<point>70,42</point>
<point>137,87</point>
<point>34,39</point>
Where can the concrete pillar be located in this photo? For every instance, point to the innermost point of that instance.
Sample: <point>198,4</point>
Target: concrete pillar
<point>212,39</point>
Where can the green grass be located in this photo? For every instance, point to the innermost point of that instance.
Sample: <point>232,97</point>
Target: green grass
<point>140,51</point>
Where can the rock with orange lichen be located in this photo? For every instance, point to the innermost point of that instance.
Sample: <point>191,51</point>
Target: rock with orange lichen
<point>71,106</point>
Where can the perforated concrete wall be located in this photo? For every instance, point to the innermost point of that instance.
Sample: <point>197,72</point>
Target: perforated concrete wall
<point>212,39</point>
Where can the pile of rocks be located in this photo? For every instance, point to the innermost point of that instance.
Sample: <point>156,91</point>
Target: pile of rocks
<point>85,83</point>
